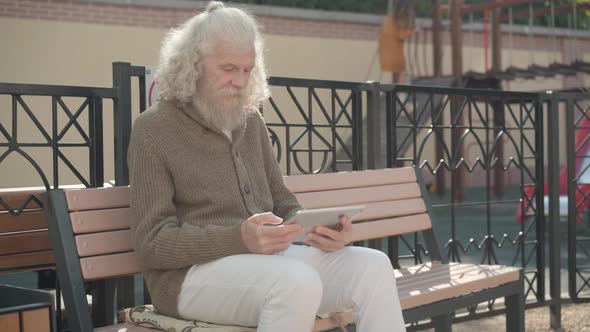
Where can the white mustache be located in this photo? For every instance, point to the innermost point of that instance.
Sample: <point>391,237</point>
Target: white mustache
<point>230,92</point>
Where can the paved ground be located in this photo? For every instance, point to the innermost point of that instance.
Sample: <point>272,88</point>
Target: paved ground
<point>574,318</point>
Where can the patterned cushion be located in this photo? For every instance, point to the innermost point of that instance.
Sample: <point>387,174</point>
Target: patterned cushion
<point>146,316</point>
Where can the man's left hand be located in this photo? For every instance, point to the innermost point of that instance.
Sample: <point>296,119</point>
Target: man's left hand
<point>328,239</point>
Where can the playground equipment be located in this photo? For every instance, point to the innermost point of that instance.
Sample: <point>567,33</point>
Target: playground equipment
<point>534,70</point>
<point>493,13</point>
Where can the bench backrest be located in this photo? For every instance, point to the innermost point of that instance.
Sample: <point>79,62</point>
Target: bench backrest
<point>89,228</point>
<point>394,199</point>
<point>24,241</point>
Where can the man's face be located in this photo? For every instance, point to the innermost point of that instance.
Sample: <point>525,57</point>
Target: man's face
<point>221,94</point>
<point>227,73</point>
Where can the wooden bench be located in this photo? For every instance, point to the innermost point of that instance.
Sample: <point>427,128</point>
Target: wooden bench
<point>24,241</point>
<point>89,232</point>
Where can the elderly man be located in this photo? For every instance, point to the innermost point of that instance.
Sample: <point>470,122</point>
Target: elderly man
<point>205,182</point>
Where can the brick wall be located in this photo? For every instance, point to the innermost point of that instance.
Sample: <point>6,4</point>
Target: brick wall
<point>75,11</point>
<point>163,18</point>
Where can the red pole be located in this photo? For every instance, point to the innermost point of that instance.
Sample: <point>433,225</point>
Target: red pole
<point>486,36</point>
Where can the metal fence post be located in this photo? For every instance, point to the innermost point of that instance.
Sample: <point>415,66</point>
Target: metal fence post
<point>374,122</point>
<point>539,193</point>
<point>357,130</point>
<point>122,119</point>
<point>391,161</point>
<point>374,138</point>
<point>122,71</point>
<point>96,141</point>
<point>553,213</point>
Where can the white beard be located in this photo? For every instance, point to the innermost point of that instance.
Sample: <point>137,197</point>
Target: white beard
<point>220,111</point>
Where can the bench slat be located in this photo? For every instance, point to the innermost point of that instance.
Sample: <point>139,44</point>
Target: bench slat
<point>107,266</point>
<point>99,220</point>
<point>26,259</point>
<point>390,227</point>
<point>329,181</point>
<point>97,198</point>
<point>103,243</point>
<point>381,210</point>
<point>438,275</point>
<point>444,273</point>
<point>432,274</point>
<point>24,242</point>
<point>459,279</point>
<point>15,198</point>
<point>332,198</point>
<point>26,221</point>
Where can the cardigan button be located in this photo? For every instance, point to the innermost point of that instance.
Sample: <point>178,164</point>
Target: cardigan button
<point>246,189</point>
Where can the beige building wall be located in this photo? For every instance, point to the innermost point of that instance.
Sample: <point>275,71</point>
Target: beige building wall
<point>67,53</point>
<point>41,47</point>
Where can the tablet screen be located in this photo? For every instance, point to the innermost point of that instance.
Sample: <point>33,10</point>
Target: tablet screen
<point>328,217</point>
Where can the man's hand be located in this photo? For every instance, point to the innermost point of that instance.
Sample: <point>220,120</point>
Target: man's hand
<point>261,239</point>
<point>328,239</point>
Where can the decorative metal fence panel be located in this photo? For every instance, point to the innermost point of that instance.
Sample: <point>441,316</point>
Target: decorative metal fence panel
<point>41,123</point>
<point>577,107</point>
<point>457,136</point>
<point>49,136</point>
<point>460,139</point>
<point>315,126</point>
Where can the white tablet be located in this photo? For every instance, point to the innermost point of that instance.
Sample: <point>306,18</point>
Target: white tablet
<point>328,217</point>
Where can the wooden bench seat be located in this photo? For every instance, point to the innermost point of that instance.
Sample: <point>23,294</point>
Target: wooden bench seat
<point>24,241</point>
<point>417,286</point>
<point>89,231</point>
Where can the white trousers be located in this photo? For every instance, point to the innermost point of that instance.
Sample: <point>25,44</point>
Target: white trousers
<point>285,291</point>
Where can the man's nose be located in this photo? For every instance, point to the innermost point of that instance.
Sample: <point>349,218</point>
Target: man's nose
<point>240,80</point>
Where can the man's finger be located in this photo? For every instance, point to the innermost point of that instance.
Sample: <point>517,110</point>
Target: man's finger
<point>266,218</point>
<point>324,241</point>
<point>283,230</point>
<point>274,235</point>
<point>277,240</point>
<point>346,223</point>
<point>335,235</point>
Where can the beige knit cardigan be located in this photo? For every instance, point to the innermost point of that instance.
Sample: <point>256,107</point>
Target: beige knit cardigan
<point>191,188</point>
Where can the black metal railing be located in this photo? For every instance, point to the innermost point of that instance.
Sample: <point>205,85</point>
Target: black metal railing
<point>472,129</point>
<point>463,135</point>
<point>577,107</point>
<point>315,127</point>
<point>65,119</point>
<point>56,122</point>
<point>42,120</point>
<point>491,138</point>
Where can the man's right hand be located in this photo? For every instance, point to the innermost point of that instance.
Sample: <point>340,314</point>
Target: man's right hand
<point>261,239</point>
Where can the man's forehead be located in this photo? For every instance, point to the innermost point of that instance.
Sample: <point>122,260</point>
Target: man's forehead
<point>223,49</point>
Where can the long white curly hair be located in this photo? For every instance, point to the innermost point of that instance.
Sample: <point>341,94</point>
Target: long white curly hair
<point>184,48</point>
